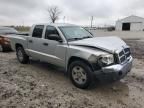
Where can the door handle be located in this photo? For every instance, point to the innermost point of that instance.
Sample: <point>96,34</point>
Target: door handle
<point>30,41</point>
<point>45,44</point>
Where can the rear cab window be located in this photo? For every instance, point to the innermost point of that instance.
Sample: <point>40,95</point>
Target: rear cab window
<point>38,31</point>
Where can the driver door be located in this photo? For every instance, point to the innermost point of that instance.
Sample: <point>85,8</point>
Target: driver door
<point>53,50</point>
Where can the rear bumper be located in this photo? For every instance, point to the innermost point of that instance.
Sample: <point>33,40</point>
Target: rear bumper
<point>114,72</point>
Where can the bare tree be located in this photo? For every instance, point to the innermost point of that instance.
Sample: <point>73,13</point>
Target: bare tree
<point>54,13</point>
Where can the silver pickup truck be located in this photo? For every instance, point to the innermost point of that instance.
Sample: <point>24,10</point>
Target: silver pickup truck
<point>83,56</point>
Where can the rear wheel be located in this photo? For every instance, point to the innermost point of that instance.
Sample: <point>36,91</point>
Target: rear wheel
<point>22,56</point>
<point>80,74</point>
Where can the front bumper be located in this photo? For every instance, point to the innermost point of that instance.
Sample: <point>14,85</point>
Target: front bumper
<point>114,72</point>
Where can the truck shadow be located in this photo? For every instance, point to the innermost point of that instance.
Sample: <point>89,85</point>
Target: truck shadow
<point>47,66</point>
<point>102,87</point>
<point>55,77</point>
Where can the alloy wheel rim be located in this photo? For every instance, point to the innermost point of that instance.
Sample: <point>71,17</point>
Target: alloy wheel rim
<point>79,75</point>
<point>20,55</point>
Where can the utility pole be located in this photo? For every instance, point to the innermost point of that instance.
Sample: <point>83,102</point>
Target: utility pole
<point>64,19</point>
<point>91,21</point>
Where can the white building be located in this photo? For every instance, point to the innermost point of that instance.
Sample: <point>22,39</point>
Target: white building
<point>131,23</point>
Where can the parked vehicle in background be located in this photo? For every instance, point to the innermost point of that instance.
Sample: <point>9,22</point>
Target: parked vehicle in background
<point>84,57</point>
<point>4,41</point>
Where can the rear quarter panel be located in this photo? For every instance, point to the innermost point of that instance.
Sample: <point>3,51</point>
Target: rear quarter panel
<point>18,39</point>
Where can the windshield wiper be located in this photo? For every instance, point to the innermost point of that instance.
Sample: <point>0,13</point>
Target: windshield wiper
<point>86,37</point>
<point>71,39</point>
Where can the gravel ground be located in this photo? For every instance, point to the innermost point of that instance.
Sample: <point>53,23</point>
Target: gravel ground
<point>45,86</point>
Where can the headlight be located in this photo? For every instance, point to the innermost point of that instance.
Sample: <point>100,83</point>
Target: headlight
<point>106,59</point>
<point>102,60</point>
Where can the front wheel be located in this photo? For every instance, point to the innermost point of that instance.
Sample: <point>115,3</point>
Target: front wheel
<point>22,56</point>
<point>80,74</point>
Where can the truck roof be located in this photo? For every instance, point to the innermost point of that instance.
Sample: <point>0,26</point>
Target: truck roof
<point>56,24</point>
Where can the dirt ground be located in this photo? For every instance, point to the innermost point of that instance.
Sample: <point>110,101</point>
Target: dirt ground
<point>41,85</point>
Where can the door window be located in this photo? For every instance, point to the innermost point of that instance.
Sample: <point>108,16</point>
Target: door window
<point>38,30</point>
<point>50,30</point>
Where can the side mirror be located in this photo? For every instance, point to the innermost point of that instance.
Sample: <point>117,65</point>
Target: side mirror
<point>55,37</point>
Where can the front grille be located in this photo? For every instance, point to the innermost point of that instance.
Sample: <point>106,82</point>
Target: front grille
<point>122,59</point>
<point>124,54</point>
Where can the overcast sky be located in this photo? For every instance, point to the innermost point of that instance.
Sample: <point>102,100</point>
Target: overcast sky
<point>105,12</point>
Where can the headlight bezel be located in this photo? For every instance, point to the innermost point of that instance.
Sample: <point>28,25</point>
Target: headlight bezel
<point>102,60</point>
<point>106,60</point>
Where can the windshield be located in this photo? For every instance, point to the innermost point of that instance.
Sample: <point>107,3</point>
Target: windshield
<point>75,33</point>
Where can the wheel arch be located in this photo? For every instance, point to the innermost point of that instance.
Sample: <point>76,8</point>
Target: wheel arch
<point>18,45</point>
<point>74,58</point>
<point>25,57</point>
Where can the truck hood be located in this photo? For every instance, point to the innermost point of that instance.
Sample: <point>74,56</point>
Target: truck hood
<point>109,44</point>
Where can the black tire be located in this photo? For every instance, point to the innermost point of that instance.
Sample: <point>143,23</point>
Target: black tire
<point>88,71</point>
<point>24,58</point>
